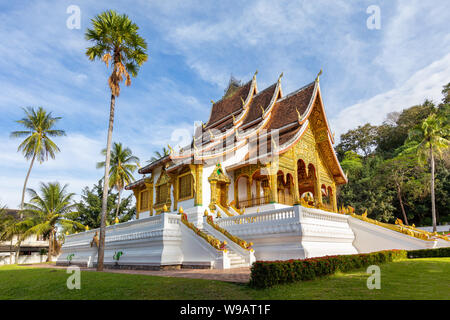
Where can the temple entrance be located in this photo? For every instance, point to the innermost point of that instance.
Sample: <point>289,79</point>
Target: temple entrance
<point>222,194</point>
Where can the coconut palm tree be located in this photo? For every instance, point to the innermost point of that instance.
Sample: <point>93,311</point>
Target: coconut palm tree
<point>431,137</point>
<point>158,155</point>
<point>7,228</point>
<point>49,210</point>
<point>115,40</point>
<point>38,125</point>
<point>123,164</point>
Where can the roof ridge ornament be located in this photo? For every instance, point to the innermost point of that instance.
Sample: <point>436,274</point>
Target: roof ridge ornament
<point>262,110</point>
<point>234,119</point>
<point>170,149</point>
<point>212,101</point>
<point>243,102</point>
<point>281,76</point>
<point>299,115</point>
<point>319,74</point>
<point>254,75</point>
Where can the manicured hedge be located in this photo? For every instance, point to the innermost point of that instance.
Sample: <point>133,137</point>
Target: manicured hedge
<point>429,253</point>
<point>268,273</point>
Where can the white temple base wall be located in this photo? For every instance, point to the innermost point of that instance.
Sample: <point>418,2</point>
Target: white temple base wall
<point>280,234</point>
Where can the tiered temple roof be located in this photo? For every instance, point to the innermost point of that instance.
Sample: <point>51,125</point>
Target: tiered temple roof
<point>244,112</point>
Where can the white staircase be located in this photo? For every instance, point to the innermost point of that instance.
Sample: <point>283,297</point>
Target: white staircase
<point>236,260</point>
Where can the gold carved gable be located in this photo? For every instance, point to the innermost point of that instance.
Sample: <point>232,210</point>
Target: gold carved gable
<point>163,178</point>
<point>218,175</point>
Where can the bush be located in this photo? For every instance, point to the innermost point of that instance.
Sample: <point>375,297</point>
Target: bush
<point>429,253</point>
<point>268,273</point>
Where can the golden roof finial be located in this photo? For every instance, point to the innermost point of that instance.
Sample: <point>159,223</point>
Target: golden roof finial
<point>299,115</point>
<point>318,75</point>
<point>243,102</point>
<point>262,110</point>
<point>234,119</point>
<point>281,76</point>
<point>212,101</point>
<point>181,211</point>
<point>116,220</point>
<point>254,75</point>
<point>170,149</point>
<point>203,125</point>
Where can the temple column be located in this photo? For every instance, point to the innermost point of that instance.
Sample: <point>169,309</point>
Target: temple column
<point>149,186</point>
<point>258,191</point>
<point>273,188</point>
<point>249,192</point>
<point>333,197</point>
<point>213,202</point>
<point>137,195</point>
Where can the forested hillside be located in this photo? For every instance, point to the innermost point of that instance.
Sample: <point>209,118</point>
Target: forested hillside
<point>389,170</point>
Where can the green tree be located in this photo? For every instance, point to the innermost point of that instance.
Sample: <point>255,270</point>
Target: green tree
<point>116,40</point>
<point>48,211</point>
<point>39,125</point>
<point>361,140</point>
<point>158,155</point>
<point>89,208</point>
<point>404,174</point>
<point>8,228</point>
<point>429,140</point>
<point>123,164</point>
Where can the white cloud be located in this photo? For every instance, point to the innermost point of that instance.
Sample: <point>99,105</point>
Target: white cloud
<point>426,83</point>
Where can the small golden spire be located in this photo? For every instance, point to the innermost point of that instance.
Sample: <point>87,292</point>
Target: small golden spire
<point>165,208</point>
<point>117,220</point>
<point>206,213</point>
<point>256,72</point>
<point>181,211</point>
<point>212,101</point>
<point>234,119</point>
<point>299,115</point>
<point>318,75</point>
<point>281,76</point>
<point>67,233</point>
<point>87,228</point>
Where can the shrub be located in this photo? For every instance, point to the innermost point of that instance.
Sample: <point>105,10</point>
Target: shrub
<point>268,273</point>
<point>429,253</point>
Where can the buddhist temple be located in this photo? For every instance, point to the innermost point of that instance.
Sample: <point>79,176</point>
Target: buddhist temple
<point>258,148</point>
<point>258,181</point>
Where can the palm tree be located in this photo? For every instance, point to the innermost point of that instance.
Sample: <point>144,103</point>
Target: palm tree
<point>431,137</point>
<point>7,222</point>
<point>47,211</point>
<point>123,164</point>
<point>115,39</point>
<point>158,155</point>
<point>37,144</point>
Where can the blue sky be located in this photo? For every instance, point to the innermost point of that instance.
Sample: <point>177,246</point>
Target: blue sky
<point>194,47</point>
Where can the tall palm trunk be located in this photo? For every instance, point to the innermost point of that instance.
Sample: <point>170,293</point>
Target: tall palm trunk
<point>118,203</point>
<point>433,205</point>
<point>101,247</point>
<point>399,196</point>
<point>11,251</point>
<point>25,185</point>
<point>19,241</point>
<point>50,247</point>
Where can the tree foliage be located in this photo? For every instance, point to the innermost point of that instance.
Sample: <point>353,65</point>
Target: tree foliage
<point>388,165</point>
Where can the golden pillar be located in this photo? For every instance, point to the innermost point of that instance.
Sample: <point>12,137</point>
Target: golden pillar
<point>213,201</point>
<point>333,197</point>
<point>258,191</point>
<point>249,192</point>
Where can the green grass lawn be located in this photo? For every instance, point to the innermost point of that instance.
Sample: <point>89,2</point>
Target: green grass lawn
<point>407,279</point>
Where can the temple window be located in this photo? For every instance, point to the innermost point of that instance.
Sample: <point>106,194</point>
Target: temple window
<point>144,200</point>
<point>185,187</point>
<point>162,193</point>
